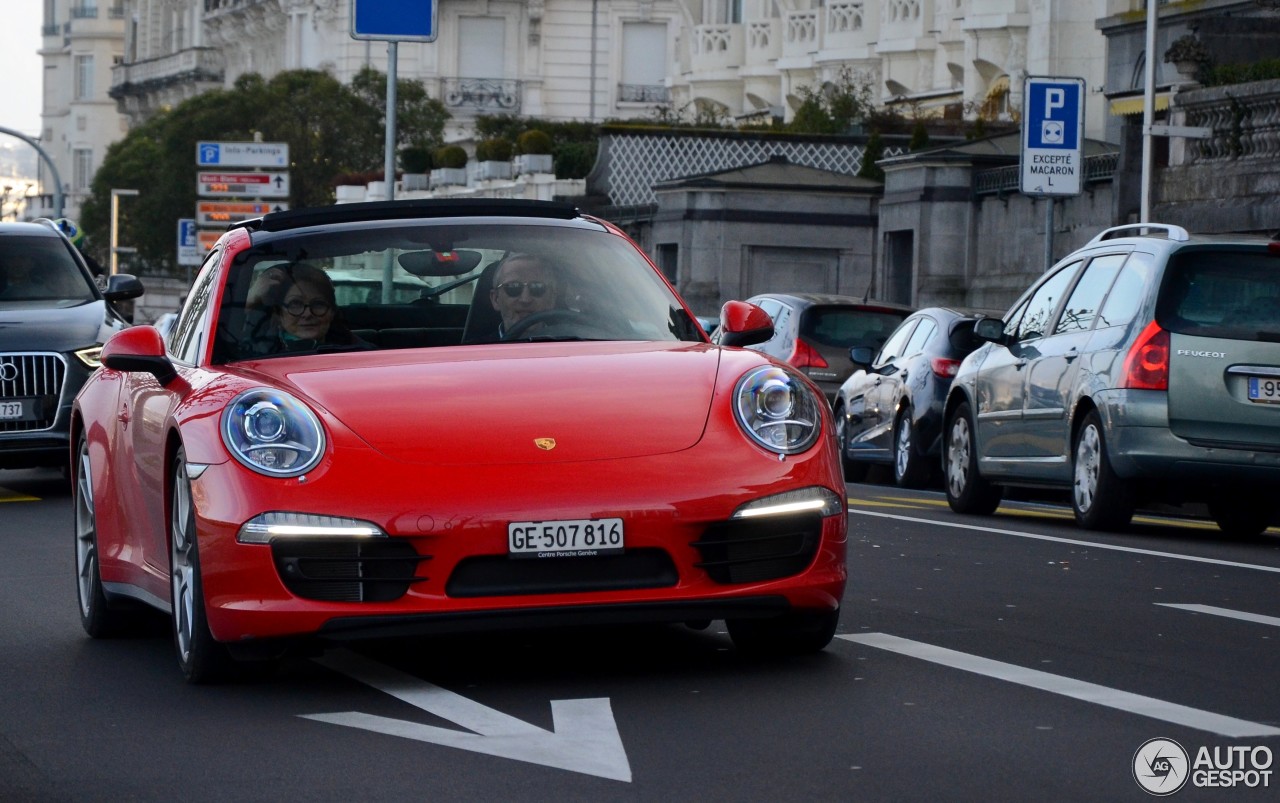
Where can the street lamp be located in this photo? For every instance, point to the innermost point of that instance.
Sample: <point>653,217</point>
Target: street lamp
<point>116,249</point>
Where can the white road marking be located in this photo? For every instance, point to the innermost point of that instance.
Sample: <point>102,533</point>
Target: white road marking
<point>1274,621</point>
<point>584,736</point>
<point>1072,541</point>
<point>1068,687</point>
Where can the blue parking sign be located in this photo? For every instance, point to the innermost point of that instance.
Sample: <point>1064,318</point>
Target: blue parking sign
<point>210,154</point>
<point>1056,107</point>
<point>1053,136</point>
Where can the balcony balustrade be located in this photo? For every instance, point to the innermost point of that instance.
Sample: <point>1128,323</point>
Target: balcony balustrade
<point>198,64</point>
<point>800,37</point>
<point>643,93</point>
<point>481,94</point>
<point>717,47</point>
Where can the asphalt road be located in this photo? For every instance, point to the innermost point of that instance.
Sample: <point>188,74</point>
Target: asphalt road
<point>1011,657</point>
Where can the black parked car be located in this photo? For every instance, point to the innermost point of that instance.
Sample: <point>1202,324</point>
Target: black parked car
<point>814,332</point>
<point>53,322</point>
<point>890,412</point>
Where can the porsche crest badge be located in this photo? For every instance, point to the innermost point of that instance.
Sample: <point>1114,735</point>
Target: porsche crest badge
<point>545,444</point>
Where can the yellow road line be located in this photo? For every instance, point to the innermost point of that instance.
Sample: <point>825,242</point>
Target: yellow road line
<point>7,495</point>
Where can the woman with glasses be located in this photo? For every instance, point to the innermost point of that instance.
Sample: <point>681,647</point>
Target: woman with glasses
<point>296,310</point>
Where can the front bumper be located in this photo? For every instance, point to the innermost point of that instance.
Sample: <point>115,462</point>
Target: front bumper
<point>455,521</point>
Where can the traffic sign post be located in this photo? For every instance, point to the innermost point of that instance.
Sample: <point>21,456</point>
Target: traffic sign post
<point>1053,136</point>
<point>243,185</point>
<point>1052,152</point>
<point>388,20</point>
<point>224,213</point>
<point>189,251</point>
<point>242,154</point>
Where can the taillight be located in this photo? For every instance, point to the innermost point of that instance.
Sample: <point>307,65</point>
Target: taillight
<point>806,356</point>
<point>1147,366</point>
<point>944,368</point>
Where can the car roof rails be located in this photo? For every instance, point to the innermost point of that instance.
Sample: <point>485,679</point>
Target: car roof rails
<point>1171,232</point>
<point>410,208</point>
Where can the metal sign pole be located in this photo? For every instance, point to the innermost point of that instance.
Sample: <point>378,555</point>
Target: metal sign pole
<point>389,166</point>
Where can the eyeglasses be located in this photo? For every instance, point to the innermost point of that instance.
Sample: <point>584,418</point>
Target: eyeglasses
<point>319,308</point>
<point>514,289</point>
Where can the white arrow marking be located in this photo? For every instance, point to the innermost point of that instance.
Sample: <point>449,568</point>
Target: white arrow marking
<point>584,736</point>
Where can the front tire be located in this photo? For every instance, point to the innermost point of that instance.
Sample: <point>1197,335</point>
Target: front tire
<point>100,617</point>
<point>909,468</point>
<point>1100,499</point>
<point>967,491</point>
<point>795,633</point>
<point>201,659</point>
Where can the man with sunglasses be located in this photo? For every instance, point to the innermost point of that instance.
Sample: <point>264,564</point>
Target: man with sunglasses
<point>522,286</point>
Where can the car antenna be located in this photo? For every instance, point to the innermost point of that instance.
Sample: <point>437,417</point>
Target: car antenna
<point>867,295</point>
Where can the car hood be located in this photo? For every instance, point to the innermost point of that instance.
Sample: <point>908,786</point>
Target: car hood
<point>514,403</point>
<point>59,329</point>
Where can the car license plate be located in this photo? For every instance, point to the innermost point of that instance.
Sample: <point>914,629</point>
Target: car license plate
<point>14,411</point>
<point>565,539</point>
<point>1264,389</point>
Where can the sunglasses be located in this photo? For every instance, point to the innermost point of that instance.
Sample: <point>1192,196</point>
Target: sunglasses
<point>319,308</point>
<point>514,289</point>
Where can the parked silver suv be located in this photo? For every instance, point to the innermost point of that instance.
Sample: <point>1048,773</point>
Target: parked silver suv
<point>1143,367</point>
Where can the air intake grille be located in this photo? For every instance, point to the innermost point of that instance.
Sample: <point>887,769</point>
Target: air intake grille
<point>364,570</point>
<point>35,381</point>
<point>756,550</point>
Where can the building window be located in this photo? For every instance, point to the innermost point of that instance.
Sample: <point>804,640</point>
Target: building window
<point>644,62</point>
<point>81,169</point>
<point>84,77</point>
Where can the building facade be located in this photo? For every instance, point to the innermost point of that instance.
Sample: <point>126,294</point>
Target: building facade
<point>955,58</point>
<point>81,41</point>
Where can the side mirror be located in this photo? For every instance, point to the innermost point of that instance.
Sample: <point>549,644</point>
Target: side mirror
<point>861,355</point>
<point>122,287</point>
<point>989,329</point>
<point>139,348</point>
<point>743,324</point>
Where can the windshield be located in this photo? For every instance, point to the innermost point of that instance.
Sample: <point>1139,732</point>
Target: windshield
<point>441,283</point>
<point>40,272</point>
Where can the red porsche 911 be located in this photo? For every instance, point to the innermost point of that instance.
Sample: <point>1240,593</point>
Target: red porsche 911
<point>412,417</point>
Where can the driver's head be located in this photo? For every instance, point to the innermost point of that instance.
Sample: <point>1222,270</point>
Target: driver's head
<point>522,286</point>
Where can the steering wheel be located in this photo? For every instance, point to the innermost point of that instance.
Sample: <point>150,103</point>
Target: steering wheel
<point>549,318</point>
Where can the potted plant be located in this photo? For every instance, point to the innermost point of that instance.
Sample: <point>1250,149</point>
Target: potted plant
<point>534,148</point>
<point>415,161</point>
<point>1188,55</point>
<point>493,159</point>
<point>452,166</point>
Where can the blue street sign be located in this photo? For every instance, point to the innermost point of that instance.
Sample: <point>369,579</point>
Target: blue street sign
<point>187,232</point>
<point>1053,136</point>
<point>394,20</point>
<point>189,252</point>
<point>209,153</point>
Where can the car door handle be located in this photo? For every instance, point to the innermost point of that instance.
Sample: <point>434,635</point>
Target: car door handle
<point>1020,363</point>
<point>1071,354</point>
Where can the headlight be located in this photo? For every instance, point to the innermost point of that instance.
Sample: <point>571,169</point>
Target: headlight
<point>268,527</point>
<point>90,356</point>
<point>823,501</point>
<point>777,410</point>
<point>272,433</point>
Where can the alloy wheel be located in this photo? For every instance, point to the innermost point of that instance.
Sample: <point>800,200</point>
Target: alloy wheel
<point>959,445</point>
<point>1088,457</point>
<point>902,454</point>
<point>182,569</point>
<point>86,532</point>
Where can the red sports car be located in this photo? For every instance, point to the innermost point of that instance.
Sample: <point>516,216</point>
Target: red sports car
<point>409,417</point>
